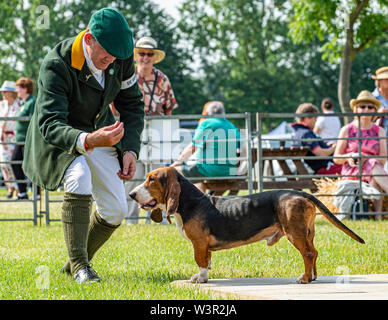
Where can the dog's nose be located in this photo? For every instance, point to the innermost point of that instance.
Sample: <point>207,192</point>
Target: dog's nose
<point>132,195</point>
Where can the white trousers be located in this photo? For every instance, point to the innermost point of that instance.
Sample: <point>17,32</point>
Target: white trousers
<point>96,174</point>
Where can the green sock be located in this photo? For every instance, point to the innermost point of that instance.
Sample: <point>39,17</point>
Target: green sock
<point>75,221</point>
<point>99,232</point>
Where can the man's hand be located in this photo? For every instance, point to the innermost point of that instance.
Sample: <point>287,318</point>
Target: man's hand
<point>106,136</point>
<point>129,167</point>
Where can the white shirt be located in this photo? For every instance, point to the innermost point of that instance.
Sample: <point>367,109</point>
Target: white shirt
<point>329,126</point>
<point>100,77</point>
<point>98,74</point>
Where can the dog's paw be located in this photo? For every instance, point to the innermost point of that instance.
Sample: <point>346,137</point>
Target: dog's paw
<point>197,278</point>
<point>302,279</point>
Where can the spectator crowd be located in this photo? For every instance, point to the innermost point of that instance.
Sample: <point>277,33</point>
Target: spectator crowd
<point>324,136</point>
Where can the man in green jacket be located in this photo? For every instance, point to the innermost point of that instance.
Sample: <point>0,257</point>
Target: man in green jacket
<point>73,135</point>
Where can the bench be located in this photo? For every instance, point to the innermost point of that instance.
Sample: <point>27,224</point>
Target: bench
<point>235,185</point>
<point>300,167</point>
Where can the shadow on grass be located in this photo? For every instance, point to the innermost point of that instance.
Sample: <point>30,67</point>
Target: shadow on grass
<point>150,277</point>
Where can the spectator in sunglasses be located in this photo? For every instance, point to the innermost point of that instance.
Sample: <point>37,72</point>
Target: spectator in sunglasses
<point>157,92</point>
<point>349,149</point>
<point>159,100</point>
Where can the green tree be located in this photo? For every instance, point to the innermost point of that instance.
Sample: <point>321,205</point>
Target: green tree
<point>249,60</point>
<point>345,27</point>
<point>29,29</point>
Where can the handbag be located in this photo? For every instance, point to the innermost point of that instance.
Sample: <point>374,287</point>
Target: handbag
<point>356,207</point>
<point>380,122</point>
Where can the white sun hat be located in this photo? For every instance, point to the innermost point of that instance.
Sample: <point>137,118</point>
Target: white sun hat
<point>8,86</point>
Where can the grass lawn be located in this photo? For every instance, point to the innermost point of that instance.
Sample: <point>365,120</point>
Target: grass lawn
<point>140,261</point>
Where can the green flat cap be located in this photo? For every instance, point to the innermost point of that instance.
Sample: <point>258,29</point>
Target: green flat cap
<point>112,32</point>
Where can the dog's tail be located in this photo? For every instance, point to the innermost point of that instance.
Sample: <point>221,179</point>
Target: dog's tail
<point>332,218</point>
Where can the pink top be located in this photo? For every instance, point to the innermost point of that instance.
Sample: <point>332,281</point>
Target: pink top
<point>368,148</point>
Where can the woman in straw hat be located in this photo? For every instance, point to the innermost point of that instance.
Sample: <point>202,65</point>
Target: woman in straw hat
<point>158,98</point>
<point>349,149</point>
<point>9,108</point>
<point>157,92</point>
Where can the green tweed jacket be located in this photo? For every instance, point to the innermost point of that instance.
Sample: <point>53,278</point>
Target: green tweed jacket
<point>70,101</point>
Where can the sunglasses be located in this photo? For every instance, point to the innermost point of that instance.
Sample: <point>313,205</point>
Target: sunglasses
<point>367,107</point>
<point>149,54</point>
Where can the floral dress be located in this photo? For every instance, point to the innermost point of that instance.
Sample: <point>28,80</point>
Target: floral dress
<point>368,147</point>
<point>7,134</point>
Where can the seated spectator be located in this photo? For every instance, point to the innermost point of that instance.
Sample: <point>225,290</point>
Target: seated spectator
<point>213,158</point>
<point>327,127</point>
<point>349,149</point>
<point>303,129</point>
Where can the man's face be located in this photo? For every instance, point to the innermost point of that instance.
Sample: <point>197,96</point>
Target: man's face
<point>309,121</point>
<point>100,58</point>
<point>383,84</point>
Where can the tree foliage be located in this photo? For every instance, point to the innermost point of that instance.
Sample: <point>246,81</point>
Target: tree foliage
<point>248,58</point>
<point>247,53</point>
<point>29,29</point>
<point>345,27</point>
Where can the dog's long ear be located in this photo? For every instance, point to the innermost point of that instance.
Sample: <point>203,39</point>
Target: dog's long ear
<point>157,215</point>
<point>173,190</point>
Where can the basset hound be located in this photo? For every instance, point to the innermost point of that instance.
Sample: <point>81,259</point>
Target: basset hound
<point>213,223</point>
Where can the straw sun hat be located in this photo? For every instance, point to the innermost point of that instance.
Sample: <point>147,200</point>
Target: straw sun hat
<point>364,96</point>
<point>381,73</point>
<point>8,86</point>
<point>150,43</point>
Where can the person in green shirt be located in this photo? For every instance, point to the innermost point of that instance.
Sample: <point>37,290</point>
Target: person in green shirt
<point>215,148</point>
<point>24,89</point>
<point>74,137</point>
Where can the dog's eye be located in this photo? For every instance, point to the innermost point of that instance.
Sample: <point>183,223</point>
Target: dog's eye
<point>151,180</point>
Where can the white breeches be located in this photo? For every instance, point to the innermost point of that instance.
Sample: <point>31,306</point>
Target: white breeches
<point>96,174</point>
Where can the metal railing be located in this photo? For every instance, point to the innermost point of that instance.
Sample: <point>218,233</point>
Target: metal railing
<point>149,144</point>
<point>360,176</point>
<point>35,201</point>
<point>253,177</point>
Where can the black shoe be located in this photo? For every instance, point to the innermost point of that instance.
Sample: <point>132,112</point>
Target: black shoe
<point>9,195</point>
<point>86,275</point>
